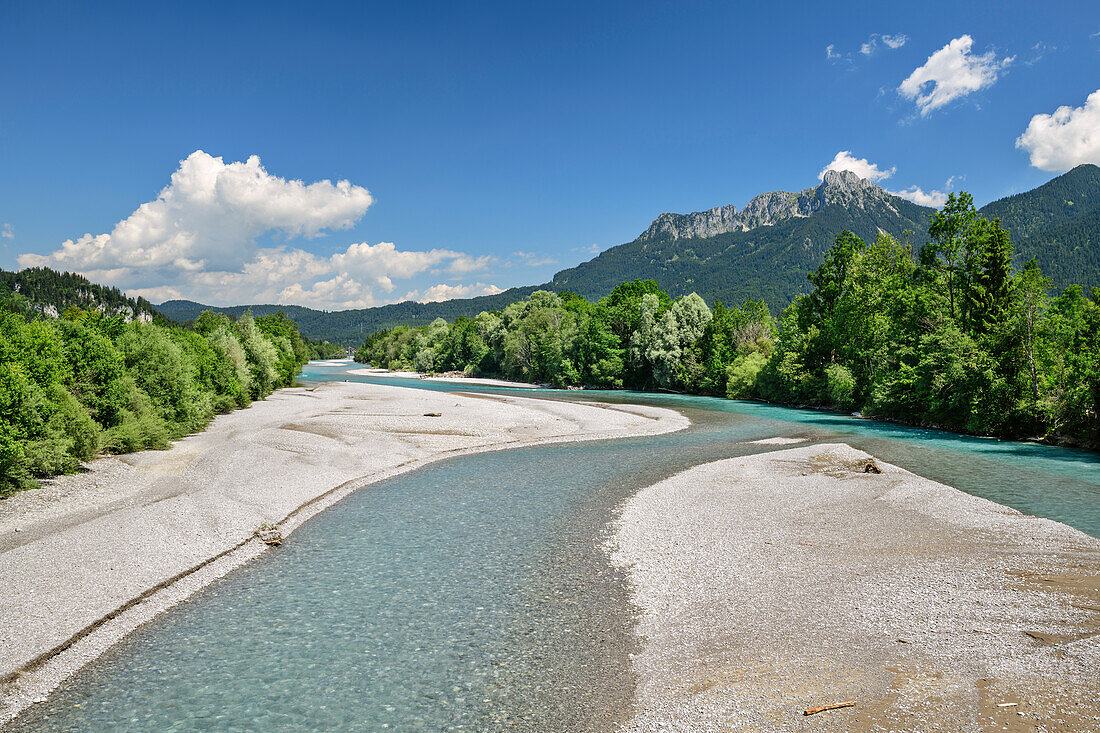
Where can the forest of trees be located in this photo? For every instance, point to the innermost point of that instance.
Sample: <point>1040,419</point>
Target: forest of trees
<point>48,291</point>
<point>950,336</point>
<point>85,382</point>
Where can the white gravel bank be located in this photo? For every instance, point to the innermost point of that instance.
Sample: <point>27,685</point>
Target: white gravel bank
<point>486,381</point>
<point>775,583</point>
<point>83,560</point>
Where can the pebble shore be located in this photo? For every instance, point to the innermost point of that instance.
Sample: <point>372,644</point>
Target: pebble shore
<point>776,583</point>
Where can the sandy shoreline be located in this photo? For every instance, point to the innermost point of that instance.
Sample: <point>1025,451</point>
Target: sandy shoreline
<point>778,582</point>
<point>88,558</point>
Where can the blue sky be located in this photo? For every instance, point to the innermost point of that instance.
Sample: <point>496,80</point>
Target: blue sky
<point>498,142</point>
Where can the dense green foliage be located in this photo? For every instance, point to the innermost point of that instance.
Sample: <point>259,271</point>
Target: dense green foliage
<point>87,382</point>
<point>637,337</point>
<point>1070,196</point>
<point>953,337</point>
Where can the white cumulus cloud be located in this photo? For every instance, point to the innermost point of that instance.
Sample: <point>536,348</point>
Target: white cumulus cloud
<point>341,289</point>
<point>845,161</point>
<point>443,291</point>
<point>1069,137</point>
<point>199,239</point>
<point>951,73</point>
<point>917,195</point>
<point>209,216</point>
<point>6,232</point>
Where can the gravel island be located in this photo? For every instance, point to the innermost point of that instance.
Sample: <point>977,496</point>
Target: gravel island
<point>774,584</point>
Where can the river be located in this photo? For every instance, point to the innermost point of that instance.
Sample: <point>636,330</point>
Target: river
<point>474,593</point>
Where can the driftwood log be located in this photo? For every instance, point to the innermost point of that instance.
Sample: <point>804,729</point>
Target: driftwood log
<point>833,706</point>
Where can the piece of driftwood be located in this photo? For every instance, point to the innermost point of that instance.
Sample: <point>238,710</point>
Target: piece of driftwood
<point>271,536</point>
<point>433,414</point>
<point>871,468</point>
<point>833,706</point>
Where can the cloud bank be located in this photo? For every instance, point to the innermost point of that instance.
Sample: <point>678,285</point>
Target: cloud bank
<point>1069,137</point>
<point>951,73</point>
<point>199,239</point>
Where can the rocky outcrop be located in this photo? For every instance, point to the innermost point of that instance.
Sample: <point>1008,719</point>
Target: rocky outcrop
<point>842,188</point>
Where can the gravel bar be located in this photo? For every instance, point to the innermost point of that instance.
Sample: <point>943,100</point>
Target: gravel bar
<point>772,584</point>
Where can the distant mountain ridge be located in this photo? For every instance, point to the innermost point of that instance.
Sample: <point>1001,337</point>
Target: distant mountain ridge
<point>762,251</point>
<point>351,326</point>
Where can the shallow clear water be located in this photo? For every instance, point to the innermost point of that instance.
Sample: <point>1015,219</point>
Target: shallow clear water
<point>473,594</point>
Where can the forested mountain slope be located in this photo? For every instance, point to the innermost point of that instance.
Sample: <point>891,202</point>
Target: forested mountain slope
<point>764,252</point>
<point>49,292</point>
<point>1058,224</point>
<point>350,326</point>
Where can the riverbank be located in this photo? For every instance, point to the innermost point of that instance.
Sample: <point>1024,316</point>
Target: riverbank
<point>89,557</point>
<point>779,582</point>
<point>1061,441</point>
<point>484,381</point>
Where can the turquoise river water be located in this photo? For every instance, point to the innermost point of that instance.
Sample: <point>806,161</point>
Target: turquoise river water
<point>474,593</point>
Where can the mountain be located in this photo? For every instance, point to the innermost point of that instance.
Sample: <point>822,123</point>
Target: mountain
<point>1058,224</point>
<point>50,292</point>
<point>762,251</point>
<point>351,326</point>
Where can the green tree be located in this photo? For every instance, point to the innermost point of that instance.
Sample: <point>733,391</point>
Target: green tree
<point>679,328</point>
<point>1031,303</point>
<point>949,229</point>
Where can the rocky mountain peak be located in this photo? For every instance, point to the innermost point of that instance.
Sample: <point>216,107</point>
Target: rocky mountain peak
<point>837,187</point>
<point>844,186</point>
<point>844,179</point>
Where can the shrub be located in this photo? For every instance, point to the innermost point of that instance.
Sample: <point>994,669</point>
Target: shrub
<point>13,469</point>
<point>742,373</point>
<point>840,386</point>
